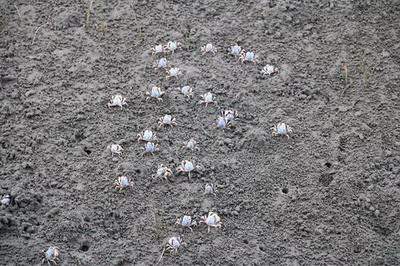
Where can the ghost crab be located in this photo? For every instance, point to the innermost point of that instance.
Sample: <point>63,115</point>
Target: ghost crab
<point>151,148</point>
<point>208,98</point>
<point>117,100</point>
<point>173,72</point>
<point>172,46</point>
<point>147,135</point>
<point>248,57</point>
<point>171,246</point>
<point>211,220</point>
<point>162,63</point>
<point>155,93</point>
<point>158,49</point>
<point>235,50</point>
<point>281,129</point>
<point>115,149</point>
<point>269,70</point>
<point>186,167</point>
<point>122,183</point>
<point>187,91</point>
<point>191,145</point>
<point>166,120</point>
<point>186,221</point>
<point>51,255</point>
<point>229,115</point>
<point>164,172</point>
<point>209,189</point>
<point>208,48</point>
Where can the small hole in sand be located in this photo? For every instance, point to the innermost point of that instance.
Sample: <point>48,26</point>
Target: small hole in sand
<point>328,164</point>
<point>84,246</point>
<point>285,190</point>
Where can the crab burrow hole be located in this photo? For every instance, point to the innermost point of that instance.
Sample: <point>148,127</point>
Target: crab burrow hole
<point>84,246</point>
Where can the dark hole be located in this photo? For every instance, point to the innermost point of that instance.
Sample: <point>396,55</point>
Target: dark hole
<point>87,150</point>
<point>246,241</point>
<point>138,171</point>
<point>328,164</point>
<point>285,190</point>
<point>84,246</point>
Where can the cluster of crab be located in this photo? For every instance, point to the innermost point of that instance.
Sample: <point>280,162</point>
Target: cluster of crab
<point>243,56</point>
<point>187,167</point>
<point>173,243</point>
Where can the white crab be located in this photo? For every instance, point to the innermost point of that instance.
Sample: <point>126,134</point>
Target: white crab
<point>248,57</point>
<point>191,145</point>
<point>186,90</point>
<point>211,220</point>
<point>207,98</point>
<point>209,189</point>
<point>229,115</point>
<point>281,129</point>
<point>6,200</point>
<point>235,50</point>
<point>158,49</point>
<point>186,167</point>
<point>117,100</point>
<point>172,46</point>
<point>151,148</point>
<point>164,172</point>
<point>115,149</point>
<point>269,70</point>
<point>162,63</point>
<point>171,246</point>
<point>222,122</point>
<point>173,72</point>
<point>51,255</point>
<point>186,221</point>
<point>155,93</point>
<point>121,183</point>
<point>209,48</point>
<point>147,135</point>
<point>166,120</point>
